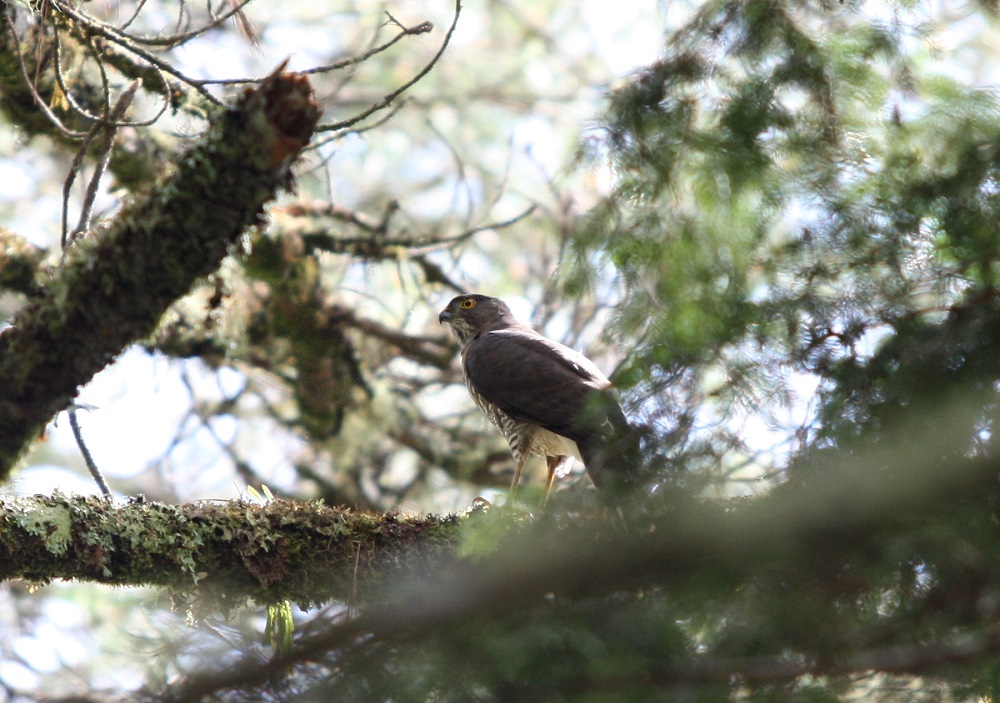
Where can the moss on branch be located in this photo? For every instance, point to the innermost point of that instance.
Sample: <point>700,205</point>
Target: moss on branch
<point>19,259</point>
<point>116,283</point>
<point>219,554</point>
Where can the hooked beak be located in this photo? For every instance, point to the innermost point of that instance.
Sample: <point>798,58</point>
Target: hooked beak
<point>444,317</point>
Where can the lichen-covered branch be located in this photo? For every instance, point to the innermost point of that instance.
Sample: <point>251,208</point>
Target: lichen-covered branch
<point>19,259</point>
<point>219,554</point>
<point>116,283</point>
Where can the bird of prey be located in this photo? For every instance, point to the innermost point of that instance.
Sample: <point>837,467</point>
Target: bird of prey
<point>545,398</point>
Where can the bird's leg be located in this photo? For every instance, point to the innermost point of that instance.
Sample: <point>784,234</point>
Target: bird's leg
<point>517,477</point>
<point>553,462</point>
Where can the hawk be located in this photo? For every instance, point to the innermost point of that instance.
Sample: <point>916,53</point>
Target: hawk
<point>545,398</point>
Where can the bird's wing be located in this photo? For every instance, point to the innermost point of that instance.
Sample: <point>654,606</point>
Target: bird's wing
<point>536,380</point>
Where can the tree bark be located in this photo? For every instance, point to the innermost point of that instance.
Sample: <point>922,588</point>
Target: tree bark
<point>116,282</point>
<point>217,555</point>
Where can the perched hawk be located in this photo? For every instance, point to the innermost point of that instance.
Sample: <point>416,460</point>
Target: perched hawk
<point>544,397</point>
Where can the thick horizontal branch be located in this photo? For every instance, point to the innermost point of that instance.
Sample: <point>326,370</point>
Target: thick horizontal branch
<point>116,283</point>
<point>220,553</point>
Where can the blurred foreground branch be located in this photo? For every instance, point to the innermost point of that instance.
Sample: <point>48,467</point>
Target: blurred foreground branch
<point>882,499</point>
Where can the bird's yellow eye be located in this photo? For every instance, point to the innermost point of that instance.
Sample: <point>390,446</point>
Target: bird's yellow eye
<point>467,304</point>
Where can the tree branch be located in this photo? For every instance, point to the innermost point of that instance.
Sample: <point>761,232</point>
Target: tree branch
<point>220,554</point>
<point>19,259</point>
<point>115,285</point>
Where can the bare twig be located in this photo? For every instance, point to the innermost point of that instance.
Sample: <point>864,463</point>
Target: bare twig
<point>102,484</point>
<point>370,245</point>
<point>235,13</point>
<point>30,85</point>
<point>318,143</point>
<point>422,28</point>
<point>388,99</point>
<point>446,242</point>
<point>429,350</point>
<point>113,35</point>
<point>108,129</point>
<point>68,94</point>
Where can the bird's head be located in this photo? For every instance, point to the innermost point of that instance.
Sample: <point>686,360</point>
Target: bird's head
<point>471,314</point>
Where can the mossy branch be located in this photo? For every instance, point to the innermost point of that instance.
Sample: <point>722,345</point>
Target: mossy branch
<point>219,554</point>
<point>116,283</point>
<point>19,259</point>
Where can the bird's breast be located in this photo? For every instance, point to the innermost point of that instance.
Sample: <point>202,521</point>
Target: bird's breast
<point>524,438</point>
